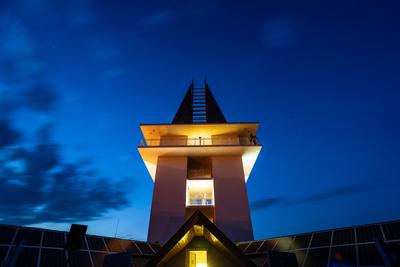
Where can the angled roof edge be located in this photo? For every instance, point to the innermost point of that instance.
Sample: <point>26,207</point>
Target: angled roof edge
<point>185,110</point>
<point>214,113</point>
<point>199,219</point>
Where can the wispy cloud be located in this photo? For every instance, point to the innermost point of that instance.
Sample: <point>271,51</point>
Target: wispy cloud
<point>279,33</point>
<point>37,183</point>
<point>329,194</point>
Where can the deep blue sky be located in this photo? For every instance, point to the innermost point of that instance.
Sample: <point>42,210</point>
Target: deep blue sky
<point>78,77</point>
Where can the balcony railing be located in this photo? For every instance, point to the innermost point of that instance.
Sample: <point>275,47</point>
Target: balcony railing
<point>199,141</point>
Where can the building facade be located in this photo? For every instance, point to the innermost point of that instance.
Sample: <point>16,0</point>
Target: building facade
<point>200,162</point>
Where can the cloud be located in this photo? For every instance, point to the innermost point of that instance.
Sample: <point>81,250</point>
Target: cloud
<point>159,18</point>
<point>336,192</point>
<point>40,98</point>
<point>279,33</point>
<point>329,194</point>
<point>37,184</point>
<point>8,135</point>
<point>266,203</point>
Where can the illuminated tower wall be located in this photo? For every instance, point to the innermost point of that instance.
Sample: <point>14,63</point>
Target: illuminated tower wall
<point>199,161</point>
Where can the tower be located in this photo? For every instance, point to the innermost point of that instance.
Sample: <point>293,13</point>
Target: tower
<point>200,162</point>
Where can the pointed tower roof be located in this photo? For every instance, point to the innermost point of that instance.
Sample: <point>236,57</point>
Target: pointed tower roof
<point>199,106</point>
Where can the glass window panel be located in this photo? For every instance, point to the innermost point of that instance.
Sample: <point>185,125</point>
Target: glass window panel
<point>199,192</point>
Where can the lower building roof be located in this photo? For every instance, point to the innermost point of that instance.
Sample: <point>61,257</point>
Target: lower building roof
<point>354,246</point>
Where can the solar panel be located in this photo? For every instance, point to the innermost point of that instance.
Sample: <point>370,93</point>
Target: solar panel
<point>343,252</point>
<point>343,236</point>
<point>253,247</point>
<point>317,257</point>
<point>301,241</point>
<point>258,259</point>
<point>300,255</point>
<point>130,246</point>
<point>284,244</point>
<point>394,249</point>
<point>52,258</point>
<point>368,255</point>
<point>80,258</point>
<point>114,245</point>
<point>6,234</point>
<point>392,230</point>
<point>53,239</point>
<point>368,233</point>
<point>31,236</point>
<point>343,256</point>
<point>98,258</point>
<point>144,248</point>
<point>96,243</point>
<point>155,246</point>
<point>267,245</point>
<point>27,258</point>
<point>3,253</point>
<point>321,239</point>
<point>243,246</point>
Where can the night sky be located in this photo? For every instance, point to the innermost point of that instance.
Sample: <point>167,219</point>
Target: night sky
<point>78,77</point>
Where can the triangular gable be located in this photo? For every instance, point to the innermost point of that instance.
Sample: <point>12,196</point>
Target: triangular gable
<point>199,225</point>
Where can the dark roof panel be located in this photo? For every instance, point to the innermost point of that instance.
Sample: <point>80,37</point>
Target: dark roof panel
<point>343,236</point>
<point>392,230</point>
<point>321,239</point>
<point>6,234</point>
<point>343,256</point>
<point>53,239</point>
<point>80,258</point>
<point>368,233</point>
<point>31,236</point>
<point>198,106</point>
<point>96,243</point>
<point>52,258</point>
<point>369,255</point>
<point>317,257</point>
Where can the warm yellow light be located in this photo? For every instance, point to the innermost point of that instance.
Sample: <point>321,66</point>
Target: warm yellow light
<point>199,139</point>
<point>197,258</point>
<point>199,192</point>
<point>249,159</point>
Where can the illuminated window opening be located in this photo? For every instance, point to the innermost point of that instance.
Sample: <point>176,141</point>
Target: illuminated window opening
<point>197,258</point>
<point>199,192</point>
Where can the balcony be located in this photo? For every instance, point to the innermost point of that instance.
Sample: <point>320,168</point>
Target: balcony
<point>200,141</point>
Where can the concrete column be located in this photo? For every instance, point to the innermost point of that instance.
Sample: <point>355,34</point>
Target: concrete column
<point>169,196</point>
<point>232,213</point>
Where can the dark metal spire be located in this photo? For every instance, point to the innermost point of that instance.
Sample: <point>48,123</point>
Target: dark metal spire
<point>199,106</point>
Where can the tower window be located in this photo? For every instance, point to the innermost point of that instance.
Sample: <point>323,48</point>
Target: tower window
<point>197,258</point>
<point>199,192</point>
<point>199,167</point>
